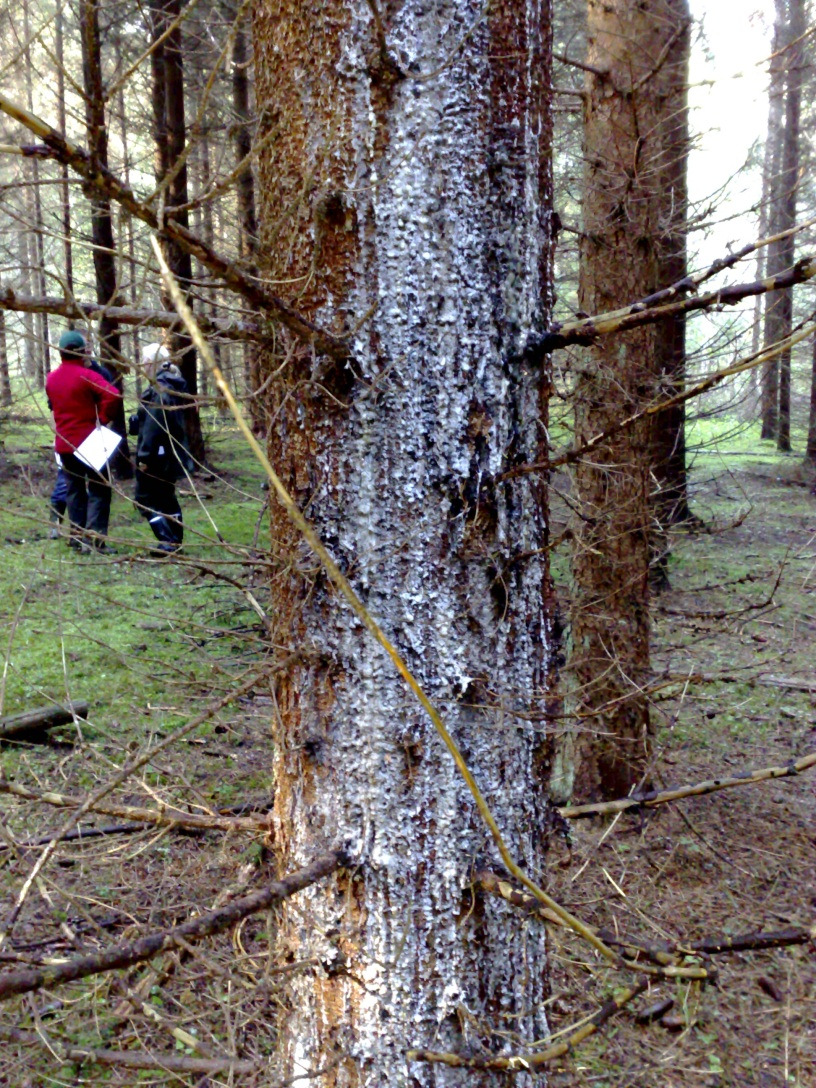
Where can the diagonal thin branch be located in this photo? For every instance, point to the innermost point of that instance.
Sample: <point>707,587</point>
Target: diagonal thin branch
<point>522,1063</point>
<point>661,797</point>
<point>125,315</point>
<point>103,181</point>
<point>589,329</point>
<point>207,925</point>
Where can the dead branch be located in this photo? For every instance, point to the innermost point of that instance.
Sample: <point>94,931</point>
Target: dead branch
<point>103,181</point>
<point>660,797</point>
<point>518,1063</point>
<point>135,1059</point>
<point>125,955</point>
<point>159,817</point>
<point>588,329</point>
<point>659,406</point>
<point>665,953</point>
<point>28,722</point>
<point>125,315</point>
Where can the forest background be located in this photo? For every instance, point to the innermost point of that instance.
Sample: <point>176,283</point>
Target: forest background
<point>585,547</point>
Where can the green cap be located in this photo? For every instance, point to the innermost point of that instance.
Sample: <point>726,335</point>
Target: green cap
<point>72,343</point>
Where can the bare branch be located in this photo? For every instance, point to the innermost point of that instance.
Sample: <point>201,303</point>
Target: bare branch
<point>588,329</point>
<point>661,797</point>
<point>103,181</point>
<point>522,1063</point>
<point>125,315</point>
<point>216,921</point>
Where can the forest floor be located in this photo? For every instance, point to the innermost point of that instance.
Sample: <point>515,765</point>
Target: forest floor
<point>151,644</point>
<point>741,610</point>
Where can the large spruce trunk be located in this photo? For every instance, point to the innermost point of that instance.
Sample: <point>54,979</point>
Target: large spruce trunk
<point>407,195</point>
<point>629,139</point>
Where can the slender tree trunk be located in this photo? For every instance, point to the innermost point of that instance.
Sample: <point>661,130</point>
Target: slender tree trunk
<point>671,500</point>
<point>36,216</point>
<point>773,317</point>
<point>430,213</point>
<point>622,253</point>
<point>126,137</point>
<point>789,186</point>
<point>811,438</point>
<point>68,272</point>
<point>104,251</point>
<point>30,356</point>
<point>5,377</point>
<point>246,202</point>
<point>170,132</point>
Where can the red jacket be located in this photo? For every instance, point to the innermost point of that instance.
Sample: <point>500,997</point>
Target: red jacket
<point>77,397</point>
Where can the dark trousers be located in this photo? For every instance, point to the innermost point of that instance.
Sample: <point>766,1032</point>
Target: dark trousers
<point>156,500</point>
<point>88,496</point>
<point>59,496</point>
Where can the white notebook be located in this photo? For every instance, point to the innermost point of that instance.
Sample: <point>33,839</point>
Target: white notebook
<point>97,448</point>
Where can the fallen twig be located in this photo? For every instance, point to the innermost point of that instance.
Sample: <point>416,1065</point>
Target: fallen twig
<point>137,1059</point>
<point>160,817</point>
<point>518,1063</point>
<point>660,797</point>
<point>125,955</point>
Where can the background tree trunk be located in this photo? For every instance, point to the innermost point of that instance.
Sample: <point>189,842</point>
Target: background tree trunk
<point>623,251</point>
<point>170,130</point>
<point>104,247</point>
<point>427,208</point>
<point>789,185</point>
<point>68,271</point>
<point>671,83</point>
<point>773,316</point>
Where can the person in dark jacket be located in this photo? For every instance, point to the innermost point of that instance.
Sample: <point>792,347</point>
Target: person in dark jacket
<point>79,398</point>
<point>161,452</point>
<point>58,501</point>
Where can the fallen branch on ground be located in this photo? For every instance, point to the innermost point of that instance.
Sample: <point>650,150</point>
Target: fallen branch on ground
<point>160,817</point>
<point>518,1063</point>
<point>665,953</point>
<point>125,955</point>
<point>652,798</point>
<point>20,726</point>
<point>134,1059</point>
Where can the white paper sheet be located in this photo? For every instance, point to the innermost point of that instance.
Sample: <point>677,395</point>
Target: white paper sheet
<point>97,448</point>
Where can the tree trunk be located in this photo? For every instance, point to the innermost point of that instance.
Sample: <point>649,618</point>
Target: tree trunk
<point>428,210</point>
<point>104,247</point>
<point>773,316</point>
<point>622,252</point>
<point>170,132</point>
<point>68,271</point>
<point>5,377</point>
<point>811,438</point>
<point>789,182</point>
<point>246,204</point>
<point>671,82</point>
<point>36,216</point>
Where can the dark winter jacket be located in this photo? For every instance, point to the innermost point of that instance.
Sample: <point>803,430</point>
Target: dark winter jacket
<point>161,449</point>
<point>78,396</point>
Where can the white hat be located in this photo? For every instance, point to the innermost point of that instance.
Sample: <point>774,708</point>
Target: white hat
<point>154,353</point>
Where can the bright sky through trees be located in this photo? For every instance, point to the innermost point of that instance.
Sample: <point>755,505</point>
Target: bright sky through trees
<point>729,114</point>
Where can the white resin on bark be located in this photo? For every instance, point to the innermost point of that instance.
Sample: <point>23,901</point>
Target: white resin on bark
<point>453,235</point>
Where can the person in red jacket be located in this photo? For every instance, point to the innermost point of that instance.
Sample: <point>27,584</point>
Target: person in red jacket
<point>79,397</point>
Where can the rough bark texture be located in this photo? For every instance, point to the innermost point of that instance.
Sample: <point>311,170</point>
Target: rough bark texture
<point>627,158</point>
<point>789,183</point>
<point>671,84</point>
<point>420,202</point>
<point>773,314</point>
